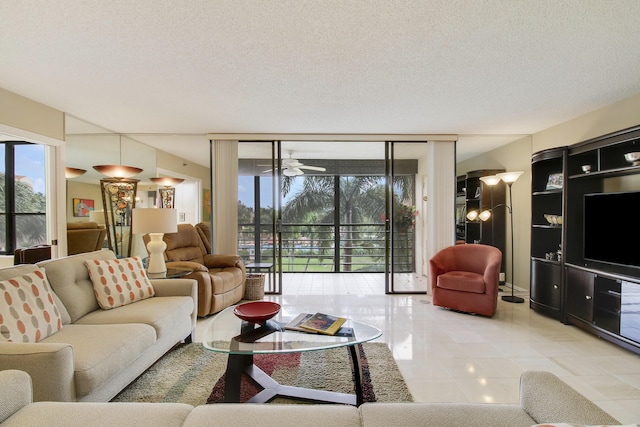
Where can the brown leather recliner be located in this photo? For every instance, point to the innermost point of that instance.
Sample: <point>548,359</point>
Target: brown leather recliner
<point>85,237</point>
<point>220,278</point>
<point>466,278</point>
<point>204,231</point>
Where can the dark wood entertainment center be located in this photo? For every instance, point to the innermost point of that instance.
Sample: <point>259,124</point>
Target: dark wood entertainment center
<point>602,298</point>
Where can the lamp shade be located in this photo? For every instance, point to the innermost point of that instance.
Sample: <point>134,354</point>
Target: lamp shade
<point>73,172</point>
<point>117,171</point>
<point>509,177</point>
<point>485,215</point>
<point>472,215</point>
<point>154,220</point>
<point>490,179</point>
<point>96,216</point>
<point>166,181</point>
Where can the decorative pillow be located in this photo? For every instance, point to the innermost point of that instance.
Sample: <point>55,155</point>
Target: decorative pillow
<point>27,310</point>
<point>119,282</point>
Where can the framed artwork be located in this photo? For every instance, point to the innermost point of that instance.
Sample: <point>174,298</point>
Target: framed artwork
<point>82,207</point>
<point>555,181</point>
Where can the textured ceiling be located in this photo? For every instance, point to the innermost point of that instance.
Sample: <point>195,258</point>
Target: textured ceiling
<point>486,70</point>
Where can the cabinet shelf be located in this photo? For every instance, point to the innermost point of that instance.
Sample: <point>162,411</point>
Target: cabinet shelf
<point>547,261</point>
<point>547,226</point>
<point>608,172</point>
<point>547,192</point>
<point>547,282</point>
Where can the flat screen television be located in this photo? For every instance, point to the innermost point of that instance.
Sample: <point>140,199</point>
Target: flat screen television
<point>610,229</point>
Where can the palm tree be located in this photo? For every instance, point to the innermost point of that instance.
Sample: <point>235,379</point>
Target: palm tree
<point>361,200</point>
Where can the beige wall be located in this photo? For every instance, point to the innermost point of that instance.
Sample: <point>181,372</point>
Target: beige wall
<point>22,113</point>
<point>517,156</point>
<point>181,166</point>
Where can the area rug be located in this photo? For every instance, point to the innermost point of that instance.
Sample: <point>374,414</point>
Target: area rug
<point>193,375</point>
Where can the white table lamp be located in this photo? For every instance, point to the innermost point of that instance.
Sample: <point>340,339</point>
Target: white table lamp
<point>155,222</point>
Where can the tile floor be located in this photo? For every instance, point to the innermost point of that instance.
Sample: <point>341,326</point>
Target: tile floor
<point>446,356</point>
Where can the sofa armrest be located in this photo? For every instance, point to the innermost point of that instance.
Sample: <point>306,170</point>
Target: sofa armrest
<point>548,399</point>
<point>50,366</point>
<point>15,392</point>
<point>178,287</point>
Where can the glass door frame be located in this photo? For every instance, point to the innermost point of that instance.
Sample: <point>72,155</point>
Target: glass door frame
<point>390,208</point>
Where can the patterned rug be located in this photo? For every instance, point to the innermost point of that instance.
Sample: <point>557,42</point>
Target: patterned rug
<point>191,374</point>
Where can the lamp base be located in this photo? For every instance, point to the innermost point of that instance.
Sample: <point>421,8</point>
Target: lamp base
<point>161,275</point>
<point>512,298</point>
<point>157,268</point>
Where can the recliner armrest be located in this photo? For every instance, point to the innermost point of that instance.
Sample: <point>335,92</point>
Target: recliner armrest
<point>195,266</point>
<point>223,260</point>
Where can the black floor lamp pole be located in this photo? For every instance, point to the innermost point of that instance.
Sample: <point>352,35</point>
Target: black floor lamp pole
<point>512,298</point>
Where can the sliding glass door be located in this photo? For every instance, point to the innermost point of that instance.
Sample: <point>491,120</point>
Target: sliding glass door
<point>404,217</point>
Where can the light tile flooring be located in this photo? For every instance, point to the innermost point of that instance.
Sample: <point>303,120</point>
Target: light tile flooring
<point>447,356</point>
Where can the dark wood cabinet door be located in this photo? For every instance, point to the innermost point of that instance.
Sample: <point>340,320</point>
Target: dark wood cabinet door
<point>546,284</point>
<point>580,289</point>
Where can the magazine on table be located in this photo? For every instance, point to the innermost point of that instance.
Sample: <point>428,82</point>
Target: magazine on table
<point>323,323</point>
<point>294,325</point>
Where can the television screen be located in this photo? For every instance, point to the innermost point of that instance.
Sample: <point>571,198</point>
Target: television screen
<point>610,231</point>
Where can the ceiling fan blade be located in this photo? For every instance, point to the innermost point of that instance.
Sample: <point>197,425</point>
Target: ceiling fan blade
<point>313,168</point>
<point>292,172</point>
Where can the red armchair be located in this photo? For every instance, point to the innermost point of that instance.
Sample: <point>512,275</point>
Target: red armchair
<point>466,278</point>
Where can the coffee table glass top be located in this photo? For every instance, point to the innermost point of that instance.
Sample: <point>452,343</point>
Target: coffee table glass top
<point>227,333</point>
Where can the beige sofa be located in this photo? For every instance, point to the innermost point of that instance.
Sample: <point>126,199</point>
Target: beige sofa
<point>97,352</point>
<point>544,398</point>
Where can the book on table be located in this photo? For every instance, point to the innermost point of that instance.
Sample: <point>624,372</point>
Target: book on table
<point>323,323</point>
<point>294,325</point>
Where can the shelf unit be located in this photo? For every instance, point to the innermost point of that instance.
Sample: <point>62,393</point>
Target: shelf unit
<point>547,290</point>
<point>603,299</point>
<point>473,194</point>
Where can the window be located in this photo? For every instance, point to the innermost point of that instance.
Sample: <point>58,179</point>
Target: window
<point>22,196</point>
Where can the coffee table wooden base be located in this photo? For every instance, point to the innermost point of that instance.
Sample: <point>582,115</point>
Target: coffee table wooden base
<point>239,364</point>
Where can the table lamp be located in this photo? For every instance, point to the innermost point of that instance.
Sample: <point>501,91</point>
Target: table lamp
<point>155,222</point>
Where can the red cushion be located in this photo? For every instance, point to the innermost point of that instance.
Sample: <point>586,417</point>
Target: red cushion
<point>463,281</point>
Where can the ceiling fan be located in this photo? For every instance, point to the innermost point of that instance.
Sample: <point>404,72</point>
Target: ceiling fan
<point>293,167</point>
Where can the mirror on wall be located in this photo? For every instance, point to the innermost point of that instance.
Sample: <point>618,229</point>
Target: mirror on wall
<point>89,145</point>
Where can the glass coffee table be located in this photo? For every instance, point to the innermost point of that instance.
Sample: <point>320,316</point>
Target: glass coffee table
<point>241,340</point>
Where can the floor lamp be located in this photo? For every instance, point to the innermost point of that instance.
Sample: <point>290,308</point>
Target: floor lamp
<point>509,178</point>
<point>491,181</point>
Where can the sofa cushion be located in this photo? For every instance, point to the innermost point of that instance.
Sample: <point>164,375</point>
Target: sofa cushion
<point>582,425</point>
<point>162,313</point>
<point>100,352</point>
<point>27,310</point>
<point>119,282</point>
<point>89,414</point>
<point>69,278</point>
<point>444,414</point>
<point>257,414</point>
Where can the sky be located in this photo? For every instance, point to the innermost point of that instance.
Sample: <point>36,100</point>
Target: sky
<point>30,161</point>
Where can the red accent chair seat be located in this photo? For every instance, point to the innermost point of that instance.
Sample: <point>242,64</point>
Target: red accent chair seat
<point>466,278</point>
